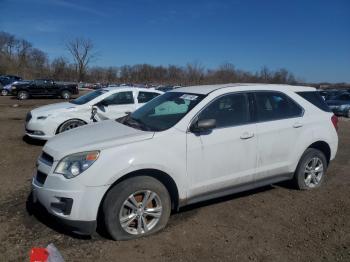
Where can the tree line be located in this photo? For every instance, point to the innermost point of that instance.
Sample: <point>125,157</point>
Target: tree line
<point>19,57</point>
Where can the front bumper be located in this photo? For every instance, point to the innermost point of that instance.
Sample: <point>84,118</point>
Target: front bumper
<point>71,202</point>
<point>39,129</point>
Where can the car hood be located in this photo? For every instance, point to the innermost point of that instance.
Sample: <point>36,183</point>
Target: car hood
<point>96,136</point>
<point>53,108</point>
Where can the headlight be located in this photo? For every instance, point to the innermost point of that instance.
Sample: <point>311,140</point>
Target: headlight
<point>13,87</point>
<point>73,165</point>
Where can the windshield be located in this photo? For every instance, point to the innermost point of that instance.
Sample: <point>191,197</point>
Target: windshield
<point>87,97</point>
<point>162,112</point>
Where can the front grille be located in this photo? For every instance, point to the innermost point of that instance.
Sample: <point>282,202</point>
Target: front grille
<point>46,158</point>
<point>28,116</point>
<point>40,177</point>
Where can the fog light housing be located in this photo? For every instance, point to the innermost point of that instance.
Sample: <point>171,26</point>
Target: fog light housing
<point>63,206</point>
<point>38,133</point>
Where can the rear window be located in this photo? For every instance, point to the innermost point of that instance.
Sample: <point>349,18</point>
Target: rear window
<point>316,99</point>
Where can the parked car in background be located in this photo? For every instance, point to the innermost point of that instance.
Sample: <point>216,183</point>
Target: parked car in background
<point>330,93</point>
<point>44,87</point>
<point>340,104</point>
<point>5,83</point>
<point>110,103</point>
<point>167,88</point>
<point>7,90</point>
<point>185,146</point>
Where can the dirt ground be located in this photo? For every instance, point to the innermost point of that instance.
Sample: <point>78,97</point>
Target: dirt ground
<point>274,223</point>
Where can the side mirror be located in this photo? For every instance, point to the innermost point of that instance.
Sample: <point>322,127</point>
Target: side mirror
<point>203,125</point>
<point>102,104</point>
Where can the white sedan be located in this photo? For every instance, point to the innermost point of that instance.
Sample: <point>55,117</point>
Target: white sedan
<point>111,103</point>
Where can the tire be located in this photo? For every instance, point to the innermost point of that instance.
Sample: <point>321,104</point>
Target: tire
<point>70,124</point>
<point>4,92</point>
<point>66,94</point>
<point>311,170</point>
<point>117,205</point>
<point>22,95</point>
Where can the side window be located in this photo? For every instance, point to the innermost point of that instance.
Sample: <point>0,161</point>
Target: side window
<point>121,98</point>
<point>144,97</point>
<point>228,110</point>
<point>275,105</point>
<point>40,83</point>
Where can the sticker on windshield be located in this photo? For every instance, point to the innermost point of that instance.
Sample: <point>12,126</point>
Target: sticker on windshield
<point>189,97</point>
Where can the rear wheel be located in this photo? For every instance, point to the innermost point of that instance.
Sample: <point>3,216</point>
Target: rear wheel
<point>70,124</point>
<point>66,94</point>
<point>311,170</point>
<point>22,95</point>
<point>136,207</point>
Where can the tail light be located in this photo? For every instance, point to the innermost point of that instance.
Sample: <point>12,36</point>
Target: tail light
<point>335,121</point>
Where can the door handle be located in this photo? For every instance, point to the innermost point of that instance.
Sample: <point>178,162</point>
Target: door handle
<point>247,135</point>
<point>297,125</point>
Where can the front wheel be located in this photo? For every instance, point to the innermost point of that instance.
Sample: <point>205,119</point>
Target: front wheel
<point>4,92</point>
<point>22,95</point>
<point>311,170</point>
<point>136,207</point>
<point>70,124</point>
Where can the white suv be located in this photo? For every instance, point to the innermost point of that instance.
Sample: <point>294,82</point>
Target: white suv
<point>111,103</point>
<point>185,146</point>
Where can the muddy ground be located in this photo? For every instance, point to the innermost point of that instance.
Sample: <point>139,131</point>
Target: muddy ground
<point>274,223</point>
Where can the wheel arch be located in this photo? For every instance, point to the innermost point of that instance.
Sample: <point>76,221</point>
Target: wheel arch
<point>323,147</point>
<point>59,126</point>
<point>161,176</point>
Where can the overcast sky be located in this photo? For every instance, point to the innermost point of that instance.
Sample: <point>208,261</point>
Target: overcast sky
<point>311,38</point>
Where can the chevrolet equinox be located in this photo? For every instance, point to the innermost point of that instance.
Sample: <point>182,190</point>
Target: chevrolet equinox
<point>185,146</point>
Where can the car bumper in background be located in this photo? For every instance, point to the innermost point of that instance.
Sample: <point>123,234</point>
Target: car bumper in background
<point>39,129</point>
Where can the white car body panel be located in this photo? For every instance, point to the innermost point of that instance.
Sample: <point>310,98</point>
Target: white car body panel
<point>61,112</point>
<point>198,164</point>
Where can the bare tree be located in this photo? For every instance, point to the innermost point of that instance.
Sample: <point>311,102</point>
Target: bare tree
<point>82,51</point>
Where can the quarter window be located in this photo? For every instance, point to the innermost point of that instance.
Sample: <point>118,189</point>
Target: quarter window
<point>144,97</point>
<point>275,105</point>
<point>121,98</point>
<point>228,110</point>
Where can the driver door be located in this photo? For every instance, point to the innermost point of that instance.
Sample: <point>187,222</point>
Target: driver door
<point>37,87</point>
<point>116,105</point>
<point>227,155</point>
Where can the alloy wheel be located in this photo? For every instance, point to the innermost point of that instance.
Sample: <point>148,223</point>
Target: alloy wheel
<point>313,172</point>
<point>140,212</point>
<point>70,125</point>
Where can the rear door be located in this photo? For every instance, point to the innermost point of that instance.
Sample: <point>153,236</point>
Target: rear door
<point>279,125</point>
